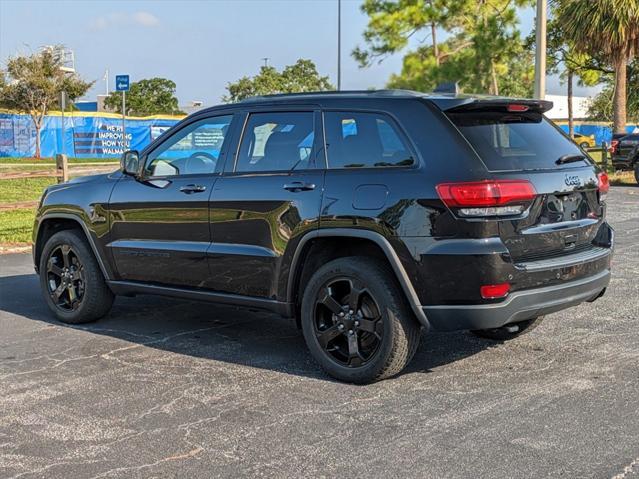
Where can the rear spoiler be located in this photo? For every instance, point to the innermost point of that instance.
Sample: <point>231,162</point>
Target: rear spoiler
<point>512,105</point>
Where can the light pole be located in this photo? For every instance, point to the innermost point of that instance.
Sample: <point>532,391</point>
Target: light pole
<point>339,45</point>
<point>540,50</point>
<point>124,148</point>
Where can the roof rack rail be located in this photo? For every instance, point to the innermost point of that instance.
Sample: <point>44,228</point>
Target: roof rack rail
<point>301,93</point>
<point>383,92</point>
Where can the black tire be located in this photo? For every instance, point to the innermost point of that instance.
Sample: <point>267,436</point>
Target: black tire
<point>71,280</point>
<point>510,331</point>
<point>381,329</point>
<point>637,172</point>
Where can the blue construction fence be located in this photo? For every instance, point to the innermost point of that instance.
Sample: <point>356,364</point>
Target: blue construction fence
<point>91,135</point>
<point>86,135</point>
<point>601,131</point>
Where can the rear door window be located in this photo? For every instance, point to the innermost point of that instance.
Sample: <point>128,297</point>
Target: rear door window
<point>278,141</point>
<point>364,140</point>
<point>523,141</point>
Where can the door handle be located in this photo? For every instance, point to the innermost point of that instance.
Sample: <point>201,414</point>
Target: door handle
<point>299,186</point>
<point>188,189</point>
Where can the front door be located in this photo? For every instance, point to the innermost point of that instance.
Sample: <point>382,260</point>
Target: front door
<point>270,195</point>
<point>160,222</point>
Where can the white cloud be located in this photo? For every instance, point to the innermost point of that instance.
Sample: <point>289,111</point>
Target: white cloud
<point>146,19</point>
<point>143,19</point>
<point>100,23</point>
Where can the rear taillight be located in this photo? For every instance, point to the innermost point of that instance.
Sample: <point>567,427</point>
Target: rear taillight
<point>494,291</point>
<point>613,146</point>
<point>487,198</point>
<point>604,185</point>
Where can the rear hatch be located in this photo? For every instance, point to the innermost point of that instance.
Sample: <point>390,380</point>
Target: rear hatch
<point>516,142</point>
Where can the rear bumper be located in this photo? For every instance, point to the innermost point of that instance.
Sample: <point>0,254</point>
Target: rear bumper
<point>518,306</point>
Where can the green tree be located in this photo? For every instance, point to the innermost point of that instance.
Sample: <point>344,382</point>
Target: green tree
<point>392,24</point>
<point>33,84</point>
<point>153,96</point>
<point>571,64</point>
<point>300,77</point>
<point>420,72</point>
<point>609,30</point>
<point>483,51</point>
<point>601,108</point>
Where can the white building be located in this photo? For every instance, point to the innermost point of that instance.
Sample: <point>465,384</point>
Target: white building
<point>559,110</point>
<point>192,106</point>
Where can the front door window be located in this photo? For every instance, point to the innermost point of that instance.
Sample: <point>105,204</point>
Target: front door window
<point>193,150</point>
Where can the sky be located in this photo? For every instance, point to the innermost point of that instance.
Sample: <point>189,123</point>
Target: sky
<point>200,45</point>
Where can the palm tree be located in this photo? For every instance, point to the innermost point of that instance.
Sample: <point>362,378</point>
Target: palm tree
<point>605,29</point>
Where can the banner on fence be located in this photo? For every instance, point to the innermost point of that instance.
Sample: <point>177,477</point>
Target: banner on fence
<point>87,136</point>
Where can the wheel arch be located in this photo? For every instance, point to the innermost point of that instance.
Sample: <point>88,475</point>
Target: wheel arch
<point>52,223</point>
<point>368,239</point>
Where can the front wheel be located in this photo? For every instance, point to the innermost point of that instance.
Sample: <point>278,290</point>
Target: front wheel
<point>509,331</point>
<point>72,283</point>
<point>356,322</point>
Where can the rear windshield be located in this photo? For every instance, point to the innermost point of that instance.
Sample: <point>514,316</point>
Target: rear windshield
<point>522,141</point>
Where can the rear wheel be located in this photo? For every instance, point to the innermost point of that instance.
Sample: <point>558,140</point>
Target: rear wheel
<point>72,283</point>
<point>356,322</point>
<point>509,331</point>
<point>637,172</point>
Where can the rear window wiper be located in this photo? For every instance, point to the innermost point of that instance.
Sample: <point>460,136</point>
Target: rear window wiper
<point>570,158</point>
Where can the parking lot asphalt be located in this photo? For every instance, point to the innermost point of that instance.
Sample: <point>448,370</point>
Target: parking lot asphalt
<point>167,388</point>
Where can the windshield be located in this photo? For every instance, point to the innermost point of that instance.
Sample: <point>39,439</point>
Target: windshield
<point>522,141</point>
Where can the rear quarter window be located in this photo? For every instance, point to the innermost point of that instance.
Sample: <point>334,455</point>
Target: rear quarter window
<point>506,141</point>
<point>364,140</point>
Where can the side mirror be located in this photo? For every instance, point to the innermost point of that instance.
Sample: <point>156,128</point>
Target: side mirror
<point>130,163</point>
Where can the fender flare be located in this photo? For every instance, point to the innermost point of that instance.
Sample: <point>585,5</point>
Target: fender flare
<point>386,247</point>
<point>87,234</point>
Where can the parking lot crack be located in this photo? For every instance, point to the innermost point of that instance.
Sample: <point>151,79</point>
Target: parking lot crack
<point>177,457</point>
<point>631,468</point>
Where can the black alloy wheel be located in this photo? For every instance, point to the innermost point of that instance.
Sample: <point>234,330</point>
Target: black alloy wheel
<point>356,321</point>
<point>72,283</point>
<point>347,322</point>
<point>65,278</point>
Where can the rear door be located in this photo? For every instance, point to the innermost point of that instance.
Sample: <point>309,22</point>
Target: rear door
<point>368,180</point>
<point>520,143</point>
<point>267,199</point>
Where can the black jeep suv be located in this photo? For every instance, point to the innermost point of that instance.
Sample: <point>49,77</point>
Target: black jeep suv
<point>625,153</point>
<point>364,215</point>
